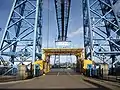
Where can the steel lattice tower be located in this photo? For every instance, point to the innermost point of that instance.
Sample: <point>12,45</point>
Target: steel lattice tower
<point>101,20</point>
<point>22,36</point>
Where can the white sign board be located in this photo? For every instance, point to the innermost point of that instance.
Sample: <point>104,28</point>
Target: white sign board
<point>63,44</point>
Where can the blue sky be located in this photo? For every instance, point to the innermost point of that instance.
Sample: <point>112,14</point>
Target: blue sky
<point>75,33</point>
<point>75,29</point>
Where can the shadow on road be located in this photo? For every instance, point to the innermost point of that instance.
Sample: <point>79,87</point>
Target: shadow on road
<point>100,87</point>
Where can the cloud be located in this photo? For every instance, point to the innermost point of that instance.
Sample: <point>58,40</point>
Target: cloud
<point>76,32</point>
<point>74,45</point>
<point>51,44</point>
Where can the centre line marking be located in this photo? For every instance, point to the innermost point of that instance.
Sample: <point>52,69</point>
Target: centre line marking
<point>58,73</point>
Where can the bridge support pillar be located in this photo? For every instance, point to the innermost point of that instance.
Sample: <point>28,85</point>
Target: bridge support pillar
<point>47,64</point>
<point>78,64</point>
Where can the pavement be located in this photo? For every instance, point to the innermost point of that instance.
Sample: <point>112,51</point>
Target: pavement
<point>56,79</point>
<point>103,83</point>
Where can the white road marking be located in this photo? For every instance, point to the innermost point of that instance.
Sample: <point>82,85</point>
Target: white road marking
<point>58,73</point>
<point>69,73</point>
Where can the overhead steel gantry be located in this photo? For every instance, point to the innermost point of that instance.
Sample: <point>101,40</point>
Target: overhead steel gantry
<point>101,21</point>
<point>62,14</point>
<point>22,38</point>
<point>78,52</point>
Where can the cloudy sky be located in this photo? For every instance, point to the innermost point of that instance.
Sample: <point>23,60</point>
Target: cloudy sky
<point>75,30</point>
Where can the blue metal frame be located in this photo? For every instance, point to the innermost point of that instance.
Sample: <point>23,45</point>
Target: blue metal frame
<point>22,36</point>
<point>101,29</point>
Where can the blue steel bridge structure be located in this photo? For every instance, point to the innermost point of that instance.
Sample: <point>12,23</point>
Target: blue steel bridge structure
<point>101,26</point>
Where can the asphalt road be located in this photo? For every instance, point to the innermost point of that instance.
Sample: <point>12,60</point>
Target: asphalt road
<point>56,79</point>
<point>62,72</point>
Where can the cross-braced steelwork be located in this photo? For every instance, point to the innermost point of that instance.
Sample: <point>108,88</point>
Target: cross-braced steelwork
<point>22,38</point>
<point>101,20</point>
<point>62,14</point>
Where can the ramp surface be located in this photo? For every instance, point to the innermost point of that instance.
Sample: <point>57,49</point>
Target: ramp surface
<point>66,79</point>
